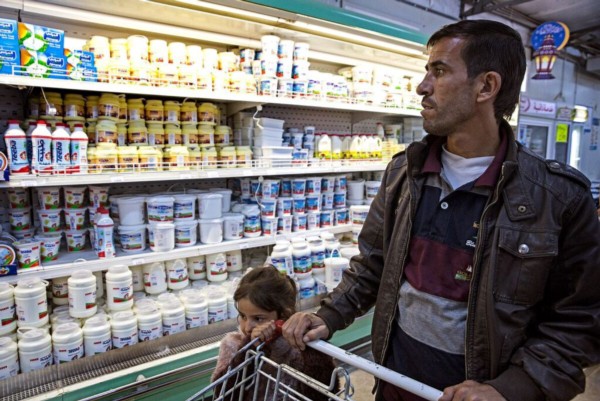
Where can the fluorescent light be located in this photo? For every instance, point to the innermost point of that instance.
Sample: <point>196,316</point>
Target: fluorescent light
<point>218,7</point>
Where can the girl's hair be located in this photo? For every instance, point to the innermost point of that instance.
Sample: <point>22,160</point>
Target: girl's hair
<point>268,289</point>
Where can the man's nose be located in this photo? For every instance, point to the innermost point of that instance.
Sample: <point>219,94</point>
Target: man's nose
<point>424,87</point>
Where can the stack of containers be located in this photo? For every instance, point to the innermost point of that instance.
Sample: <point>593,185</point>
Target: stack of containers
<point>243,129</point>
<point>268,140</point>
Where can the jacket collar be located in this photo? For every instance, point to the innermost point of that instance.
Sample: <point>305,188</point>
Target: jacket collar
<point>520,206</point>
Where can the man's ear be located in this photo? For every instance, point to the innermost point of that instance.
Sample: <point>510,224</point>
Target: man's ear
<point>490,83</point>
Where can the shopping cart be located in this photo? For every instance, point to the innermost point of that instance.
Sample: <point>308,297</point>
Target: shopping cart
<point>260,378</point>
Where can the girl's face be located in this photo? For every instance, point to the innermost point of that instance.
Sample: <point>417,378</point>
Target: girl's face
<point>251,315</point>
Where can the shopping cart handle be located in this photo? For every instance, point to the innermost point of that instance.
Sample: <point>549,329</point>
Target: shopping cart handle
<point>381,372</point>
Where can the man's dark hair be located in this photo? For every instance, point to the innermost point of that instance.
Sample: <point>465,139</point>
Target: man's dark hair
<point>490,46</point>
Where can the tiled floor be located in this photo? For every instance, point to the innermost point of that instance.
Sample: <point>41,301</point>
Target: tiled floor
<point>363,383</point>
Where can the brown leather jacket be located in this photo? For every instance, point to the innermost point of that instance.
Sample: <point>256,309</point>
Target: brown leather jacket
<point>534,306</point>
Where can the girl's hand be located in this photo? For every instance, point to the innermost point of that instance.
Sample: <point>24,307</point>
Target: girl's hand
<point>264,331</point>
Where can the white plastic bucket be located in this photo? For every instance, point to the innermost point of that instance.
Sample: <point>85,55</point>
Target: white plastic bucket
<point>298,205</point>
<point>31,302</point>
<point>284,224</point>
<point>131,210</point>
<point>327,184</point>
<point>50,220</point>
<point>74,197</point>
<point>28,253</point>
<point>269,225</point>
<point>284,206</point>
<point>233,226</point>
<point>268,207</point>
<point>20,219</point>
<point>299,222</point>
<point>339,199</point>
<point>327,218</point>
<point>356,189</point>
<point>133,238</point>
<point>184,207</point>
<point>226,200</point>
<point>76,240</point>
<point>160,209</point>
<point>161,237</point>
<point>313,202</point>
<point>75,218</point>
<point>98,195</point>
<point>313,185</point>
<point>371,188</point>
<point>211,231</point>
<point>210,206</point>
<point>358,214</point>
<point>49,198</point>
<point>186,233</point>
<point>270,189</point>
<point>327,200</point>
<point>298,187</point>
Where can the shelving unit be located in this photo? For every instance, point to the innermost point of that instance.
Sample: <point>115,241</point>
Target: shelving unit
<point>68,262</point>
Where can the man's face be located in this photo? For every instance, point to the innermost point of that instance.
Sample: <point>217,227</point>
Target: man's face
<point>448,94</point>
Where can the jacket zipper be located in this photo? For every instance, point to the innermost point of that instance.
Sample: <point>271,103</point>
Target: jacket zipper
<point>405,254</point>
<point>478,251</point>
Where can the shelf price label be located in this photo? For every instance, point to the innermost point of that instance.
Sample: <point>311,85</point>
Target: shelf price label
<point>117,178</point>
<point>138,261</point>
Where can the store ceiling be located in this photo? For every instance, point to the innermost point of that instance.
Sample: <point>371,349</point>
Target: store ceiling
<point>581,16</point>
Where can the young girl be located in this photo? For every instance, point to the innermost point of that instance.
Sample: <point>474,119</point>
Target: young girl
<point>263,296</point>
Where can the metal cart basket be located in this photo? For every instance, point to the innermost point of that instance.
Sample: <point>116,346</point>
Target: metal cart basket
<point>260,378</point>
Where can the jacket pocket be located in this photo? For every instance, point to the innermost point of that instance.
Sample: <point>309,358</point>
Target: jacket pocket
<point>523,262</point>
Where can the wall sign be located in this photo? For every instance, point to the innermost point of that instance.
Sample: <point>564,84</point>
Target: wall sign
<point>536,107</point>
<point>547,40</point>
<point>562,133</point>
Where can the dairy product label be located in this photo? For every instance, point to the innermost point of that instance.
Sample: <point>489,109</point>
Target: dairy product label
<point>196,321</point>
<point>64,354</point>
<point>7,315</point>
<point>170,328</point>
<point>121,340</point>
<point>9,368</point>
<point>318,259</point>
<point>252,224</point>
<point>33,313</point>
<point>131,242</point>
<point>149,333</point>
<point>160,213</point>
<point>218,267</point>
<point>280,264</point>
<point>302,264</point>
<point>18,155</point>
<point>36,363</point>
<point>60,290</point>
<point>233,229</point>
<point>121,294</point>
<point>216,314</point>
<point>307,292</point>
<point>82,299</point>
<point>178,275</point>
<point>97,346</point>
<point>184,209</point>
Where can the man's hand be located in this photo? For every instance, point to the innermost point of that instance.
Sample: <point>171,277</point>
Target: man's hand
<point>302,328</point>
<point>471,391</point>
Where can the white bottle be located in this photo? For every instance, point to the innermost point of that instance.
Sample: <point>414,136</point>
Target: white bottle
<point>79,146</point>
<point>8,317</point>
<point>16,148</point>
<point>177,274</point>
<point>97,337</point>
<point>217,305</point>
<point>67,341</point>
<point>119,288</point>
<point>82,294</point>
<point>124,329</point>
<point>346,141</point>
<point>380,131</point>
<point>137,277</point>
<point>196,267</point>
<point>216,267</point>
<point>149,322</point>
<point>61,149</point>
<point>301,257</point>
<point>252,227</point>
<point>104,234</point>
<point>336,146</point>
<point>317,252</point>
<point>234,261</point>
<point>9,358</point>
<point>196,311</point>
<point>155,278</point>
<point>306,287</point>
<point>355,147</point>
<point>332,248</point>
<point>323,147</point>
<point>281,258</point>
<point>41,149</point>
<point>35,350</point>
<point>31,302</point>
<point>60,291</point>
<point>173,317</point>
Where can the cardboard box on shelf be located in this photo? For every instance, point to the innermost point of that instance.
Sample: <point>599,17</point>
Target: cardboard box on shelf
<point>42,51</point>
<point>9,46</point>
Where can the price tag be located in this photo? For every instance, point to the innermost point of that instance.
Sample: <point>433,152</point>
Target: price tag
<point>138,261</point>
<point>117,178</point>
<point>272,171</point>
<point>243,245</point>
<point>29,183</point>
<point>185,176</point>
<point>212,174</point>
<point>247,172</point>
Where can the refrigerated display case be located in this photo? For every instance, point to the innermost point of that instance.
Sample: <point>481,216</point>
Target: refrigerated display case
<point>170,368</point>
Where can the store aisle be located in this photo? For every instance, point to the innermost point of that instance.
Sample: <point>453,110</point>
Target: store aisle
<point>363,383</point>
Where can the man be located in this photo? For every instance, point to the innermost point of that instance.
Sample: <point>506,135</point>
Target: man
<point>482,260</point>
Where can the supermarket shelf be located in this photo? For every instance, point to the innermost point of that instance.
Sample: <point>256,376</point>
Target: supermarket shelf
<point>68,262</point>
<point>251,100</point>
<point>322,167</point>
